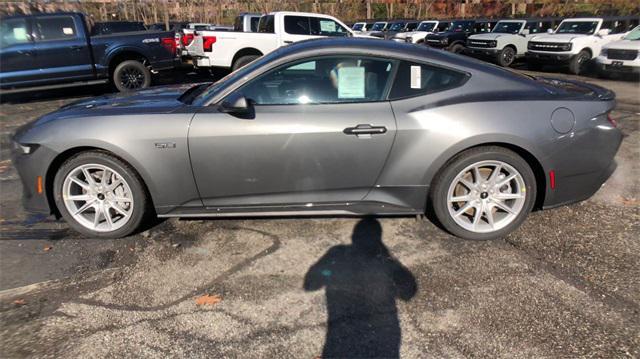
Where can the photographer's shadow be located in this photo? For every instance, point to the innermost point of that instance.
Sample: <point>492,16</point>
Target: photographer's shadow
<point>362,282</point>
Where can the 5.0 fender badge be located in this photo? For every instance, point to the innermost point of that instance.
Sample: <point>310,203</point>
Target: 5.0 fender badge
<point>165,145</point>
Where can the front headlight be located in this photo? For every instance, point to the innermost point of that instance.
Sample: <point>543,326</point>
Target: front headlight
<point>566,47</point>
<point>493,43</point>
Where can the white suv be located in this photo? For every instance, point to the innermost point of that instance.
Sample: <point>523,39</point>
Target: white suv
<point>424,28</point>
<point>504,44</point>
<point>621,56</point>
<point>575,42</point>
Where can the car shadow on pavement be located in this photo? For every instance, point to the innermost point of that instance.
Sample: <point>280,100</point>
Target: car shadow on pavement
<point>362,282</point>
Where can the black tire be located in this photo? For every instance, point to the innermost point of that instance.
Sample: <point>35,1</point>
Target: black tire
<point>506,56</point>
<point>579,63</point>
<point>141,203</point>
<point>457,48</point>
<point>243,60</point>
<point>131,75</point>
<point>440,187</point>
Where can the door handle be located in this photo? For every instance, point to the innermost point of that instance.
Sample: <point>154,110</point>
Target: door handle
<point>365,130</point>
<point>288,42</point>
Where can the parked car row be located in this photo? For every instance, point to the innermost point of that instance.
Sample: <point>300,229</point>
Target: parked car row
<point>575,42</point>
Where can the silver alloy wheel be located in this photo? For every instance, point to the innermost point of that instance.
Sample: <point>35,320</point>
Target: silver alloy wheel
<point>97,197</point>
<point>486,196</point>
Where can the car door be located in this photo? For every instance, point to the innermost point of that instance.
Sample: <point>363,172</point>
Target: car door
<point>17,52</point>
<point>62,49</point>
<point>320,132</point>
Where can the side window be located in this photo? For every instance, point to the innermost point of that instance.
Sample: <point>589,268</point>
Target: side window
<point>297,25</point>
<point>412,26</point>
<point>344,79</point>
<point>413,79</point>
<point>56,28</point>
<point>14,31</point>
<point>443,26</point>
<point>326,27</point>
<point>266,24</point>
<point>254,23</point>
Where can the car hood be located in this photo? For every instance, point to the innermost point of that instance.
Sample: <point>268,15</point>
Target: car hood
<point>487,36</point>
<point>624,45</point>
<point>162,99</point>
<point>559,38</point>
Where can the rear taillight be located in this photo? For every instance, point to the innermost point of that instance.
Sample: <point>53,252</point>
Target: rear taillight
<point>169,43</point>
<point>612,120</point>
<point>207,42</point>
<point>186,39</point>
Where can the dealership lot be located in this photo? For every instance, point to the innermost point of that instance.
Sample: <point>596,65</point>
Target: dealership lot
<point>565,284</point>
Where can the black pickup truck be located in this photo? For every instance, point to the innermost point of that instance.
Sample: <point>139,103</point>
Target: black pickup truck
<point>52,50</point>
<point>454,39</point>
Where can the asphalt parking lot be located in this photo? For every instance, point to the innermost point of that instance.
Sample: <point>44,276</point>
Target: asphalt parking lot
<point>566,284</point>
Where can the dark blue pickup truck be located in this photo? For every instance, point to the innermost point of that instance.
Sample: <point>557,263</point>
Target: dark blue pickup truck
<point>43,51</point>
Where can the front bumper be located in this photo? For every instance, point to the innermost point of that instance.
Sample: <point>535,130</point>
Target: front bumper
<point>619,66</point>
<point>482,52</point>
<point>30,167</point>
<point>549,57</point>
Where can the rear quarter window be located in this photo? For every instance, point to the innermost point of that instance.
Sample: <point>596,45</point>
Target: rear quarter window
<point>415,79</point>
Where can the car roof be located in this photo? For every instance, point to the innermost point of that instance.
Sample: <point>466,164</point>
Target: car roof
<point>584,19</point>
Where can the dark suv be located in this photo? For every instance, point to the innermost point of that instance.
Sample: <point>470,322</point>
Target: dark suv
<point>455,37</point>
<point>395,27</point>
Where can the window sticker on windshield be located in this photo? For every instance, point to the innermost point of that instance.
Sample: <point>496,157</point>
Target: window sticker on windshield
<point>327,26</point>
<point>20,33</point>
<point>416,77</point>
<point>67,30</point>
<point>305,66</point>
<point>351,82</point>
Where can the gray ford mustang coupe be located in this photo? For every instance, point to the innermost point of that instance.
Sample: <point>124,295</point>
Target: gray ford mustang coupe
<point>326,127</point>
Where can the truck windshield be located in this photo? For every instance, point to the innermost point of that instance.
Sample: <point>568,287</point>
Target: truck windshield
<point>378,26</point>
<point>397,26</point>
<point>508,27</point>
<point>634,35</point>
<point>460,26</point>
<point>577,27</point>
<point>426,26</point>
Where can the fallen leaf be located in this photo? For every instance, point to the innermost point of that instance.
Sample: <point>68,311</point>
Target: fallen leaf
<point>208,299</point>
<point>19,302</point>
<point>47,248</point>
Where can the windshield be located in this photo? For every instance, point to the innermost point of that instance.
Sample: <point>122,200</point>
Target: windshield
<point>210,91</point>
<point>397,26</point>
<point>378,26</point>
<point>577,27</point>
<point>357,27</point>
<point>508,27</point>
<point>634,35</point>
<point>460,26</point>
<point>426,26</point>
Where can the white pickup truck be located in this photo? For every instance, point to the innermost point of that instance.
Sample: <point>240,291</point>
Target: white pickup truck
<point>228,49</point>
<point>575,42</point>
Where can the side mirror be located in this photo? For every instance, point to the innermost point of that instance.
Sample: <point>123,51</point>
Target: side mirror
<point>236,104</point>
<point>604,32</point>
<point>549,31</point>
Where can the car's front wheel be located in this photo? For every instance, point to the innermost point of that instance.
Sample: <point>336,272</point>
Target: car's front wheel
<point>99,195</point>
<point>131,75</point>
<point>506,56</point>
<point>484,193</point>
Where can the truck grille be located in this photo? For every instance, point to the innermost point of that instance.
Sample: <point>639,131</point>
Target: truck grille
<point>622,54</point>
<point>549,46</point>
<point>480,43</point>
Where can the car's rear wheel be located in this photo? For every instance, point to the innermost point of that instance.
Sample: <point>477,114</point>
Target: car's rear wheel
<point>484,193</point>
<point>243,61</point>
<point>457,48</point>
<point>131,75</point>
<point>506,56</point>
<point>99,195</point>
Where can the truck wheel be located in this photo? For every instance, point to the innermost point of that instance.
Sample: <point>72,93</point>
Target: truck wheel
<point>506,56</point>
<point>579,63</point>
<point>457,48</point>
<point>244,60</point>
<point>131,75</point>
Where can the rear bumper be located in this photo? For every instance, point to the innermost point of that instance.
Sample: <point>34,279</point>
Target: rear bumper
<point>549,57</point>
